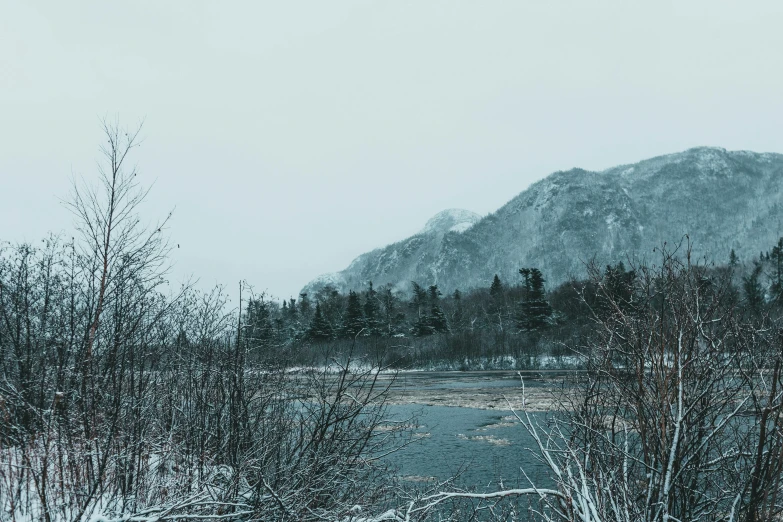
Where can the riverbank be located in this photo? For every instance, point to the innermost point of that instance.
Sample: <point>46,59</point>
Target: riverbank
<point>488,390</point>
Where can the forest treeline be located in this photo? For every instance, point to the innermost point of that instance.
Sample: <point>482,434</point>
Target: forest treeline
<point>520,324</point>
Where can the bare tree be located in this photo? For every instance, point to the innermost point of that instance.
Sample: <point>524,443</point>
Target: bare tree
<point>121,401</point>
<point>677,418</point>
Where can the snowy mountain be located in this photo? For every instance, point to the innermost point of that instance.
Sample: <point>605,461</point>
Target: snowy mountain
<point>452,220</point>
<point>721,199</point>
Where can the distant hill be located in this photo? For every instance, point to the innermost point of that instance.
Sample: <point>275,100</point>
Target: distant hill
<point>721,199</point>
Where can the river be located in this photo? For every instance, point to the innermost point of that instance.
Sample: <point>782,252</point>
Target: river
<point>465,426</point>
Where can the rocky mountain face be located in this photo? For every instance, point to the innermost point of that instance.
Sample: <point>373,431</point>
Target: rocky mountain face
<point>720,199</point>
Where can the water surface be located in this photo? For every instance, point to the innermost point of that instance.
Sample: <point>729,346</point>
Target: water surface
<point>484,445</point>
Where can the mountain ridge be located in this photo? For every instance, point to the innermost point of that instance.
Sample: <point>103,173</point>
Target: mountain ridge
<point>721,199</point>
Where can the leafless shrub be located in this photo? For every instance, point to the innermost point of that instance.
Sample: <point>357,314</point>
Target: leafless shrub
<point>677,418</point>
<point>121,402</point>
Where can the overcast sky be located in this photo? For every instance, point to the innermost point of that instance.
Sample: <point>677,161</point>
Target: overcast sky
<point>293,136</point>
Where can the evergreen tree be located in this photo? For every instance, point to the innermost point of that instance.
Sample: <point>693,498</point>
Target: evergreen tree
<point>534,310</point>
<point>304,305</point>
<point>733,260</point>
<point>421,323</point>
<point>497,306</point>
<point>496,289</point>
<point>437,319</point>
<point>280,330</point>
<point>372,312</point>
<point>754,294</point>
<point>458,316</point>
<point>776,289</point>
<point>392,317</point>
<point>332,304</point>
<point>421,326</point>
<point>258,330</point>
<point>419,301</point>
<point>618,287</point>
<point>353,319</point>
<point>320,329</point>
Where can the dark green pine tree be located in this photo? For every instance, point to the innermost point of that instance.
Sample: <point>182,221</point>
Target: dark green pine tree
<point>320,329</point>
<point>776,289</point>
<point>258,324</point>
<point>353,320</point>
<point>733,260</point>
<point>458,316</point>
<point>496,289</point>
<point>534,310</point>
<point>437,319</point>
<point>421,321</point>
<point>497,305</point>
<point>293,326</point>
<point>305,308</point>
<point>754,294</point>
<point>421,326</point>
<point>618,288</point>
<point>372,312</point>
<point>332,304</point>
<point>392,318</point>
<point>280,336</point>
<point>419,302</point>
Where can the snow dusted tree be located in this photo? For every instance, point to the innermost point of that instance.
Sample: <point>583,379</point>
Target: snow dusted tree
<point>419,301</point>
<point>421,320</point>
<point>372,311</point>
<point>496,288</point>
<point>320,329</point>
<point>776,288</point>
<point>392,316</point>
<point>259,332</point>
<point>754,292</point>
<point>534,310</point>
<point>458,315</point>
<point>353,319</point>
<point>332,305</point>
<point>436,319</point>
<point>305,308</point>
<point>497,310</point>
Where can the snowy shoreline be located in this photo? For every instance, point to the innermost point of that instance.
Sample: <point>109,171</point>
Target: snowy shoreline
<point>486,390</point>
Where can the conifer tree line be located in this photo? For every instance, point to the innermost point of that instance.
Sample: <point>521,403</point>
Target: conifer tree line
<point>391,313</point>
<point>503,314</point>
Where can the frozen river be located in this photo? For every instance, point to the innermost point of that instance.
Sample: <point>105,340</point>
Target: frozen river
<point>464,425</point>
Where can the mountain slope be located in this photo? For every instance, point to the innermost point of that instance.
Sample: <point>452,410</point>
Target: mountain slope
<point>721,199</point>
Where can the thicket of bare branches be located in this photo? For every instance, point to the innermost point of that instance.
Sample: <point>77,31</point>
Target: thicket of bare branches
<point>678,417</point>
<point>118,400</point>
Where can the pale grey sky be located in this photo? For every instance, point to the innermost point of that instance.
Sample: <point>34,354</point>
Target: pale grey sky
<point>293,136</point>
